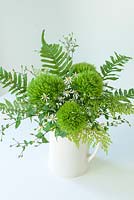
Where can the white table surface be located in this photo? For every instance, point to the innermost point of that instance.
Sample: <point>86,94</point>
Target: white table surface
<point>109,177</point>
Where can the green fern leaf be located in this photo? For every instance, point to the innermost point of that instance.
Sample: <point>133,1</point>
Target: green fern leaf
<point>16,82</point>
<point>54,59</point>
<point>18,109</point>
<point>126,94</point>
<point>116,64</point>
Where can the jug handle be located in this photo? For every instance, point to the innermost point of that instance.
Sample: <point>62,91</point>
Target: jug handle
<point>91,156</point>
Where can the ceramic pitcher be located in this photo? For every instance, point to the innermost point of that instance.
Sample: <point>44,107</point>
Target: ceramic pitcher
<point>68,160</point>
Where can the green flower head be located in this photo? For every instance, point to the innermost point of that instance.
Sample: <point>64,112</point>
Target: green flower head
<point>45,87</point>
<point>82,67</point>
<point>88,83</point>
<point>71,117</point>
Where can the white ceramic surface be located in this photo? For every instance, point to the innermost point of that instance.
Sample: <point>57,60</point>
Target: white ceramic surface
<point>68,160</point>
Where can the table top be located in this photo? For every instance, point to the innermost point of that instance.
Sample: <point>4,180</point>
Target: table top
<point>110,177</point>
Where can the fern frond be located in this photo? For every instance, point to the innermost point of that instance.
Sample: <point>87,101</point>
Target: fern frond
<point>121,108</point>
<point>117,103</point>
<point>13,111</point>
<point>11,108</point>
<point>126,94</point>
<point>16,82</point>
<point>16,107</point>
<point>116,64</point>
<point>54,59</point>
<point>18,110</point>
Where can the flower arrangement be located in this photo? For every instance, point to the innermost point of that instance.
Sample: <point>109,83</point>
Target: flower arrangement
<point>72,100</point>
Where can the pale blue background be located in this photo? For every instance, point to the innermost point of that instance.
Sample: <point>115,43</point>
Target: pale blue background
<point>101,27</point>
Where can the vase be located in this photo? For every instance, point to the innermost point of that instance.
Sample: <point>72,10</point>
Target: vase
<point>68,160</point>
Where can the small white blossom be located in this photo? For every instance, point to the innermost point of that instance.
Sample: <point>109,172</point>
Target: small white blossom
<point>51,118</point>
<point>61,99</point>
<point>75,94</point>
<point>66,93</point>
<point>75,74</point>
<point>45,97</point>
<point>58,104</point>
<point>68,80</point>
<point>40,128</point>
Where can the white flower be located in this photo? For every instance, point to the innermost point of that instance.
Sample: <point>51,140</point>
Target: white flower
<point>61,99</point>
<point>75,74</point>
<point>68,80</point>
<point>45,97</point>
<point>51,118</point>
<point>66,93</point>
<point>58,104</point>
<point>75,94</point>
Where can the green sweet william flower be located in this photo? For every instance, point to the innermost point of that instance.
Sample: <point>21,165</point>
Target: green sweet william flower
<point>88,83</point>
<point>82,67</point>
<point>44,88</point>
<point>71,117</point>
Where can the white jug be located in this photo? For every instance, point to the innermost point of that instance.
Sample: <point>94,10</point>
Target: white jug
<point>68,160</point>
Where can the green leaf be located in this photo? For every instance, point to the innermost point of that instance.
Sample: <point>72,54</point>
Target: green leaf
<point>54,59</point>
<point>16,82</point>
<point>44,140</point>
<point>125,93</point>
<point>26,143</point>
<point>18,121</point>
<point>39,135</point>
<point>111,78</point>
<point>60,133</point>
<point>9,104</point>
<point>48,126</point>
<point>116,64</point>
